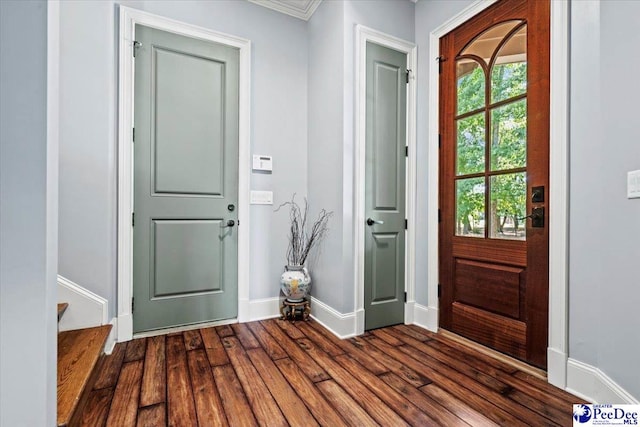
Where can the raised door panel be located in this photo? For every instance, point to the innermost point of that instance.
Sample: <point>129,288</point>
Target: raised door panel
<point>188,258</point>
<point>498,332</point>
<point>384,278</point>
<point>491,287</point>
<point>386,110</point>
<point>188,123</point>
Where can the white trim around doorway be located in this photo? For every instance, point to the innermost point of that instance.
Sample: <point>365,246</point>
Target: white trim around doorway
<point>128,19</point>
<point>364,35</point>
<point>558,185</point>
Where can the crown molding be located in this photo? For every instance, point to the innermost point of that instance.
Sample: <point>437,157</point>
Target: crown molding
<point>301,9</point>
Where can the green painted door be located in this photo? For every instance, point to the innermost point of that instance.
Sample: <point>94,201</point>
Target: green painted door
<point>185,252</point>
<point>385,187</point>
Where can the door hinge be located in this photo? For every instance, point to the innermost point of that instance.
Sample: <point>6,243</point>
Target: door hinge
<point>405,297</point>
<point>136,45</point>
<point>132,304</point>
<point>439,290</point>
<point>133,219</point>
<point>408,72</point>
<point>439,140</point>
<point>406,151</point>
<point>440,60</point>
<point>133,135</point>
<point>406,224</point>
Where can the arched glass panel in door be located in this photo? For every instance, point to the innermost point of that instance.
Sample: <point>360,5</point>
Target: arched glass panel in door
<point>491,134</point>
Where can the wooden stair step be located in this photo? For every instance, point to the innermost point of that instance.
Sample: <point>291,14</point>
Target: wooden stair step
<point>62,307</point>
<point>79,352</point>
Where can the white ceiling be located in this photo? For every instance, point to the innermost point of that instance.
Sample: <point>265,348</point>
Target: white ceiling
<point>302,9</point>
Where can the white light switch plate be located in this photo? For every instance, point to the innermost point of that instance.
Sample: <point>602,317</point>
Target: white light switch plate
<point>633,184</point>
<point>261,197</point>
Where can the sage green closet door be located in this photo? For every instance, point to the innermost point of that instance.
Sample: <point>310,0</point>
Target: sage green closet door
<point>185,251</point>
<point>385,187</point>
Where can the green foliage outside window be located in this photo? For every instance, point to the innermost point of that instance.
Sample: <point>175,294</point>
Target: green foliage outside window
<point>508,135</point>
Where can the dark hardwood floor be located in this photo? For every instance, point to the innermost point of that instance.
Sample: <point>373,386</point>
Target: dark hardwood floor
<point>277,373</point>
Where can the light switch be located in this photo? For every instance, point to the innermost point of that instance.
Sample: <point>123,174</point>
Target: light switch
<point>633,184</point>
<point>261,197</point>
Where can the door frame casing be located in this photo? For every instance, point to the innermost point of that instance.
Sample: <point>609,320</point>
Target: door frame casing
<point>128,18</point>
<point>557,348</point>
<point>364,35</point>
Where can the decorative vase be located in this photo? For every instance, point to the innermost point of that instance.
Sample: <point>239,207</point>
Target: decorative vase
<point>295,283</point>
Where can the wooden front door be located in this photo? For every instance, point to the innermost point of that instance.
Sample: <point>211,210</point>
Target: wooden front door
<point>494,175</point>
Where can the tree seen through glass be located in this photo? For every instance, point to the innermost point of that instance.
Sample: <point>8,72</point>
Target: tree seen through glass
<point>503,164</point>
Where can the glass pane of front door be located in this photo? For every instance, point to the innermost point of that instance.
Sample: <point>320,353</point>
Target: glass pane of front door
<point>509,71</point>
<point>496,174</point>
<point>470,207</point>
<point>471,145</point>
<point>471,83</point>
<point>509,136</point>
<point>508,204</point>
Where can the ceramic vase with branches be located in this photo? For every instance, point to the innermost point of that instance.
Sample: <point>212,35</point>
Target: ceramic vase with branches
<point>303,236</point>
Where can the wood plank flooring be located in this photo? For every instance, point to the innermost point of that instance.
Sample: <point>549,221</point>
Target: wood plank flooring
<point>277,373</point>
<point>79,353</point>
<point>62,307</point>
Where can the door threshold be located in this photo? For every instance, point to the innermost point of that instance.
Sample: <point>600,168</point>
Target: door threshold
<point>516,363</point>
<point>182,328</point>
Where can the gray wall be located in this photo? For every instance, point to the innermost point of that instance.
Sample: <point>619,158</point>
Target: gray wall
<point>325,152</point>
<point>331,130</point>
<point>88,127</point>
<point>28,221</point>
<point>87,216</point>
<point>604,290</point>
<point>429,16</point>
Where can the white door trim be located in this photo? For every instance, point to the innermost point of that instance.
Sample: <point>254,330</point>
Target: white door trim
<point>364,35</point>
<point>128,19</point>
<point>558,185</point>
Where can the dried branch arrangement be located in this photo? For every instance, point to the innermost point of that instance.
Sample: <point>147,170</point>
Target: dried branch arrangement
<point>301,240</point>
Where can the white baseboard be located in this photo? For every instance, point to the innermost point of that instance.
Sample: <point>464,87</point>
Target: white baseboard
<point>557,368</point>
<point>425,317</point>
<point>85,310</point>
<point>244,310</point>
<point>266,308</point>
<point>359,321</point>
<point>347,325</point>
<point>592,384</point>
<point>112,339</point>
<point>125,327</point>
<point>341,325</point>
<point>409,315</point>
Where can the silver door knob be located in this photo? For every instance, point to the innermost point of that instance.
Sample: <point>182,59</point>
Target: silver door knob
<point>373,221</point>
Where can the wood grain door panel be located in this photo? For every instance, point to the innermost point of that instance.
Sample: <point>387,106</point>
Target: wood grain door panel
<point>492,287</point>
<point>498,332</point>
